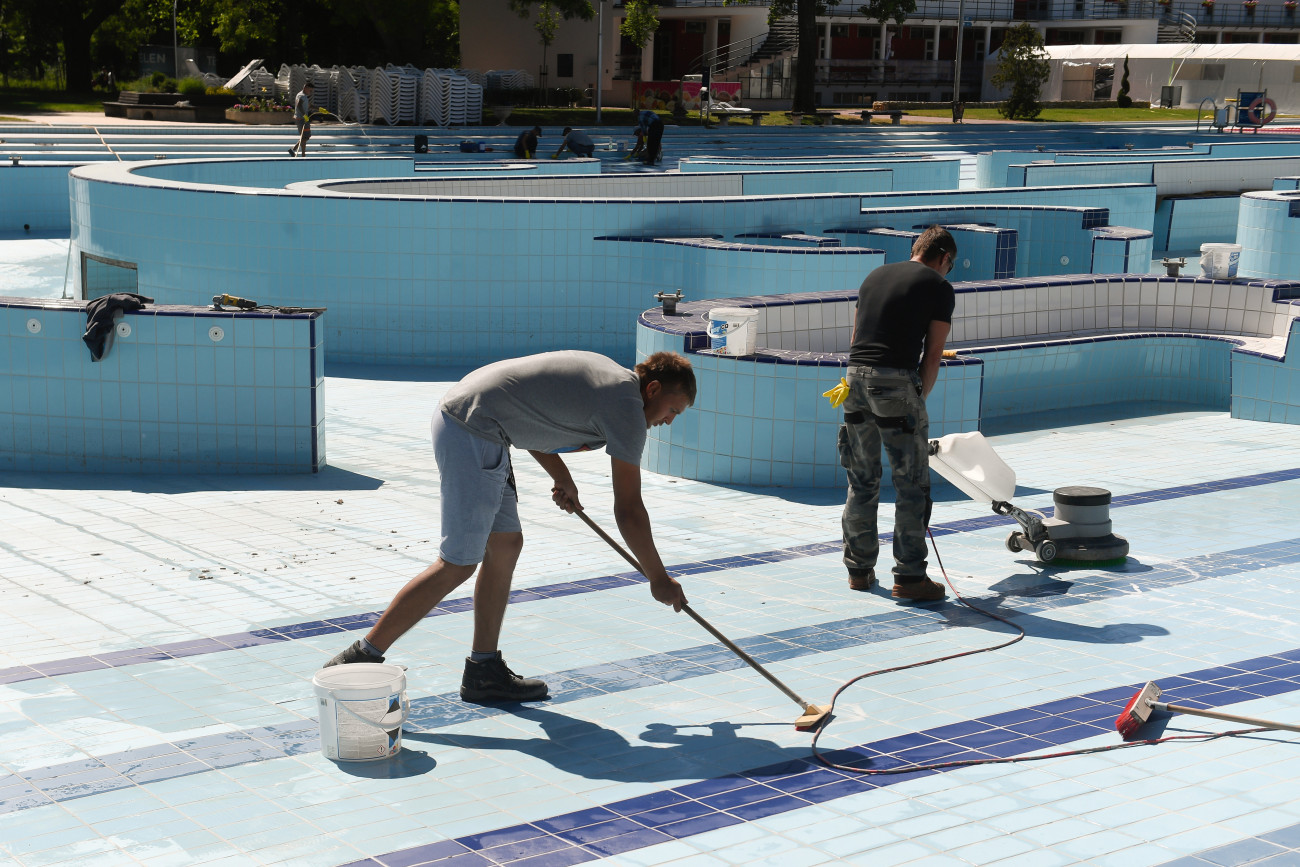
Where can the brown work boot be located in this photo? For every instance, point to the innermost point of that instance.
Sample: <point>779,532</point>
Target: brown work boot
<point>924,590</point>
<point>862,580</point>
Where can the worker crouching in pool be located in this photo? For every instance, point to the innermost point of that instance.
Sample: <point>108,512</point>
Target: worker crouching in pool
<point>904,314</point>
<point>549,403</point>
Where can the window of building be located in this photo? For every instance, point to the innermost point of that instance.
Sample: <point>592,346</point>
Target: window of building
<point>839,31</point>
<point>1107,37</point>
<point>564,66</point>
<point>694,27</point>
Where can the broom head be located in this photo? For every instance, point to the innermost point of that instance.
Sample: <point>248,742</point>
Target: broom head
<point>1137,711</point>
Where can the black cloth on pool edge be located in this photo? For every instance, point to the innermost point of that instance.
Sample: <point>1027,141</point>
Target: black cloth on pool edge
<point>99,318</point>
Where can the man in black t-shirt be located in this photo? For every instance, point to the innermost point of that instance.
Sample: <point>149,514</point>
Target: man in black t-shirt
<point>903,318</point>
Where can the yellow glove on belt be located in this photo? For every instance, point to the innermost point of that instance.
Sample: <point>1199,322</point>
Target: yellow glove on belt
<point>838,394</point>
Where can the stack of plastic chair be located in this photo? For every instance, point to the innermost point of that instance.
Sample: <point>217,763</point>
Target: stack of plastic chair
<point>408,96</point>
<point>473,104</point>
<point>383,97</point>
<point>324,94</point>
<point>433,98</point>
<point>457,99</point>
<point>508,79</point>
<point>474,76</point>
<point>258,83</point>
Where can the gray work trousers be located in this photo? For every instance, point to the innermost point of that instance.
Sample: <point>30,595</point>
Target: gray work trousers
<point>885,407</point>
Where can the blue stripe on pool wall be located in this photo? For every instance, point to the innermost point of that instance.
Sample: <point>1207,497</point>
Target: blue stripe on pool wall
<point>293,631</point>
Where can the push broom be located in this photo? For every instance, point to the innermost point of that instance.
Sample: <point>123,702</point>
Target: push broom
<point>1145,701</point>
<point>813,715</point>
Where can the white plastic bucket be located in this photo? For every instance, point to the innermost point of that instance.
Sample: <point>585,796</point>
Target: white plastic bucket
<point>1219,261</point>
<point>733,330</point>
<point>969,462</point>
<point>362,708</point>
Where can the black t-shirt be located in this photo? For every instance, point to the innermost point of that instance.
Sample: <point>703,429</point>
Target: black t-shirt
<point>896,304</point>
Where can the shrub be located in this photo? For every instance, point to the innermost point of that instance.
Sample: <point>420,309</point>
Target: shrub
<point>191,87</point>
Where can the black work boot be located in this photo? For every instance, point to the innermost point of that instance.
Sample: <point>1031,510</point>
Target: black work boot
<point>492,681</point>
<point>353,654</point>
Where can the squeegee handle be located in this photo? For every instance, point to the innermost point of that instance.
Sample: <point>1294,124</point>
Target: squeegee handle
<point>727,642</point>
<point>1227,717</point>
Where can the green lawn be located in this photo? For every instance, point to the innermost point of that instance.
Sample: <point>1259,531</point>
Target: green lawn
<point>31,100</point>
<point>1078,115</point>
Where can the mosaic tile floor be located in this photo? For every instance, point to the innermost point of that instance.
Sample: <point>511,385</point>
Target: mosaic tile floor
<point>161,633</point>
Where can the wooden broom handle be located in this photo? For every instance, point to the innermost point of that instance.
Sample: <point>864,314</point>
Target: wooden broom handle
<point>730,645</point>
<point>1227,717</point>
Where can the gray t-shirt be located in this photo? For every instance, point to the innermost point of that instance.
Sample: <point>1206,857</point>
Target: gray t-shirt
<point>301,105</point>
<point>553,402</point>
<point>579,138</point>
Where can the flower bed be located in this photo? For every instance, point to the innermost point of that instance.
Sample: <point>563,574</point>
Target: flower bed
<point>237,115</point>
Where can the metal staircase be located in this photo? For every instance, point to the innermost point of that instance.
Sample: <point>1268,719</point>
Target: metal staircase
<point>782,39</point>
<point>1176,27</point>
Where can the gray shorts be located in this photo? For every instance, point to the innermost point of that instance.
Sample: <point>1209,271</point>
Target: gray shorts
<point>478,491</point>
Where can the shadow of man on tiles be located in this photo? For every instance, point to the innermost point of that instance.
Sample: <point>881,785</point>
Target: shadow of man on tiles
<point>1045,589</point>
<point>586,749</point>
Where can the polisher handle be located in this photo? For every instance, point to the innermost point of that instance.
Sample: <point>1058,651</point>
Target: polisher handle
<point>1227,717</point>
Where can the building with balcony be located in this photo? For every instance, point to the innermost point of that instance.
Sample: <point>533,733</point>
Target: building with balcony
<point>859,60</point>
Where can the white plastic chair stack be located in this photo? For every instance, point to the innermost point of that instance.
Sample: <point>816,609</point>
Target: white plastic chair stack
<point>383,93</point>
<point>458,101</point>
<point>433,101</point>
<point>258,83</point>
<point>473,104</point>
<point>407,97</point>
<point>324,95</point>
<point>474,76</point>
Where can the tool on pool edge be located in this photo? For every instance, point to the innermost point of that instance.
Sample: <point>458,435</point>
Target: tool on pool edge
<point>220,302</point>
<point>1139,708</point>
<point>813,715</point>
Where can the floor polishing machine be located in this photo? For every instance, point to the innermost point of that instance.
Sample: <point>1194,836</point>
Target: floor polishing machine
<point>1079,529</point>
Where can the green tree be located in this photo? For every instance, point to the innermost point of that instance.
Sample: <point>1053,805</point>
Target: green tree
<point>567,8</point>
<point>1022,65</point>
<point>69,24</point>
<point>1122,99</point>
<point>641,20</point>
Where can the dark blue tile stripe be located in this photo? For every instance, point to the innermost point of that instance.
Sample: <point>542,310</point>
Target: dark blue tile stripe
<point>293,631</point>
<point>696,808</point>
<point>1215,686</point>
<point>1259,849</point>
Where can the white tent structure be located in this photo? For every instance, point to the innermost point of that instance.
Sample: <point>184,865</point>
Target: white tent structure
<point>1201,70</point>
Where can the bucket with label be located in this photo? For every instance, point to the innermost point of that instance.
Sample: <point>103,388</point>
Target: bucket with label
<point>362,707</point>
<point>1219,261</point>
<point>733,330</point>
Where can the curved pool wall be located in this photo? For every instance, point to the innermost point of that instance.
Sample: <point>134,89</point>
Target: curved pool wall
<point>1025,346</point>
<point>1268,230</point>
<point>471,267</point>
<point>179,390</point>
<point>426,279</point>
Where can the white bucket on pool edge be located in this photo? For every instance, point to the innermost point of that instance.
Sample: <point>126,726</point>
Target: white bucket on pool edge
<point>733,330</point>
<point>362,707</point>
<point>1219,261</point>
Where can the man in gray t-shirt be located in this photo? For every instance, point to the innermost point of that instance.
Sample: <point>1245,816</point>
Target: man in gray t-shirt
<point>546,404</point>
<point>577,141</point>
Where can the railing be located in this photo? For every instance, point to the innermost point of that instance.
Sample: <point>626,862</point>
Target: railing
<point>1235,14</point>
<point>735,54</point>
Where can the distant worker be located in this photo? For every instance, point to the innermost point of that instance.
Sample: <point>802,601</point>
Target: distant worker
<point>904,315</point>
<point>302,118</point>
<point>577,141</point>
<point>650,134</point>
<point>526,144</point>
